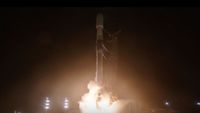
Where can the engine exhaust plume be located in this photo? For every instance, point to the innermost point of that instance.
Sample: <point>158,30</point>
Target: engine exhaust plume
<point>98,100</point>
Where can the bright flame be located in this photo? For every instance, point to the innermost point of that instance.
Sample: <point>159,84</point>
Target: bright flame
<point>97,100</point>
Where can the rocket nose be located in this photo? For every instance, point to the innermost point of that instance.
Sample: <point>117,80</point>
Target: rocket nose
<point>99,19</point>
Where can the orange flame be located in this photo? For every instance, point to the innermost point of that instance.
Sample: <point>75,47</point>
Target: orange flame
<point>98,100</point>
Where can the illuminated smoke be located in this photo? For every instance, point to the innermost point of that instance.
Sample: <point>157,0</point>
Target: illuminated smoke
<point>98,100</point>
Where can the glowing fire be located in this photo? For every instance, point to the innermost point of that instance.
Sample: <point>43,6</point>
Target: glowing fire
<point>97,100</point>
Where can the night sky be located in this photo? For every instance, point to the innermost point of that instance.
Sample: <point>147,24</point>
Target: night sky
<point>51,52</point>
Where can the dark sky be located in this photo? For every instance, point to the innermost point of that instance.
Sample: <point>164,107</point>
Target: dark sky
<point>51,52</point>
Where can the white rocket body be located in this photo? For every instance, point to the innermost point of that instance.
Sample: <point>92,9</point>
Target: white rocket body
<point>99,50</point>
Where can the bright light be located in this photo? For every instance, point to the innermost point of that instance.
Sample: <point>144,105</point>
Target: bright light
<point>98,100</point>
<point>66,107</point>
<point>66,103</point>
<point>46,107</point>
<point>47,103</point>
<point>66,100</point>
<point>167,103</point>
<point>198,103</point>
<point>47,100</point>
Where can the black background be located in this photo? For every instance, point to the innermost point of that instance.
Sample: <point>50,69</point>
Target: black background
<point>158,50</point>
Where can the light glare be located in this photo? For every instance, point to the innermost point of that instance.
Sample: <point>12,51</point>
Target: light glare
<point>198,103</point>
<point>98,101</point>
<point>46,107</point>
<point>66,107</point>
<point>66,103</point>
<point>167,103</point>
<point>47,103</point>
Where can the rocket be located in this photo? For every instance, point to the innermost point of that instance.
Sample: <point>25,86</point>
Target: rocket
<point>99,49</point>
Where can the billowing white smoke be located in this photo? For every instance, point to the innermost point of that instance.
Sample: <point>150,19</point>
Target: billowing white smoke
<point>97,100</point>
